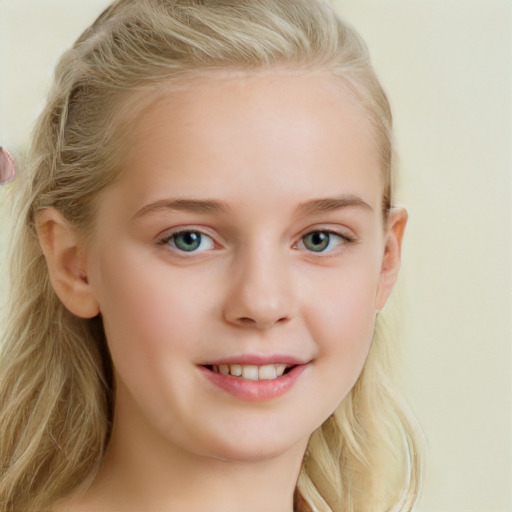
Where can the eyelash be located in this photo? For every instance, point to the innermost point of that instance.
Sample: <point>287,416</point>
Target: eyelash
<point>343,239</point>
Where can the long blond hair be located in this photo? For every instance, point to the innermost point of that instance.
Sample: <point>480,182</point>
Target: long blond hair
<point>56,389</point>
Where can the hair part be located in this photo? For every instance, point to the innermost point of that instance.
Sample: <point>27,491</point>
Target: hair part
<point>56,387</point>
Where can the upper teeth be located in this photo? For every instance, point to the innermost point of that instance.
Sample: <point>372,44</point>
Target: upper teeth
<point>251,372</point>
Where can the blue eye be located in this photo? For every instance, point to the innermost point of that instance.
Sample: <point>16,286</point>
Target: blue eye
<point>190,241</point>
<point>321,241</point>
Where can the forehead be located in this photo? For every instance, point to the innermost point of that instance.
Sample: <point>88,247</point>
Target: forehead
<point>274,130</point>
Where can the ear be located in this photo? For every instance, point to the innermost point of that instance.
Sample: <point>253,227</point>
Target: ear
<point>66,261</point>
<point>397,220</point>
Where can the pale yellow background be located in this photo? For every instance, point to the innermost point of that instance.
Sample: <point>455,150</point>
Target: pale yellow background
<point>446,66</point>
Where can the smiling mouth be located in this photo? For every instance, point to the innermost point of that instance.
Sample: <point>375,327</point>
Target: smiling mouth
<point>252,372</point>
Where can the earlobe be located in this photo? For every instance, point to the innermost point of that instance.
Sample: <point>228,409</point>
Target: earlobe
<point>397,221</point>
<point>66,261</point>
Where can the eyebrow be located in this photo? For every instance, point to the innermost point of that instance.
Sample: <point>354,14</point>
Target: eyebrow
<point>188,205</point>
<point>313,206</point>
<point>330,204</point>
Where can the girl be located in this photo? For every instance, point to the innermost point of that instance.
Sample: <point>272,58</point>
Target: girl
<point>205,235</point>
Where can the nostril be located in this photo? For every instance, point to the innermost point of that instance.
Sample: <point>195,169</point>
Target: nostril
<point>260,324</point>
<point>246,320</point>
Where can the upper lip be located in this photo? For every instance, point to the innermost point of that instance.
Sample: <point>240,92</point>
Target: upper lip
<point>257,360</point>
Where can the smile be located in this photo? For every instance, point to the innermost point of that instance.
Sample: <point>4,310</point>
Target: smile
<point>251,372</point>
<point>253,382</point>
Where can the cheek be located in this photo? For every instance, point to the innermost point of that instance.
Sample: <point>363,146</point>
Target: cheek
<point>149,314</point>
<point>153,332</point>
<point>342,325</point>
<point>346,325</point>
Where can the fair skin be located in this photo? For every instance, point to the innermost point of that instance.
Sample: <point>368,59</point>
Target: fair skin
<point>246,228</point>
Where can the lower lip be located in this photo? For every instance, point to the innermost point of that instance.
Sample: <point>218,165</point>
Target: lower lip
<point>254,390</point>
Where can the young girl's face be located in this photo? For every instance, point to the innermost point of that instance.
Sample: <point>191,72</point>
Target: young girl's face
<point>244,236</point>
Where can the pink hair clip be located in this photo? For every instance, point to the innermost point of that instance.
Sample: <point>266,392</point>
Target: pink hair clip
<point>7,166</point>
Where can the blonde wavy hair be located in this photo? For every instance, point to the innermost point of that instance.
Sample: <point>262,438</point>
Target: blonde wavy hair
<point>56,385</point>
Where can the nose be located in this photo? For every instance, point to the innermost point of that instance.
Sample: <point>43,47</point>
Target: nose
<point>261,292</point>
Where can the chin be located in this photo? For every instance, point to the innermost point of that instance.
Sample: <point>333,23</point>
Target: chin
<point>257,449</point>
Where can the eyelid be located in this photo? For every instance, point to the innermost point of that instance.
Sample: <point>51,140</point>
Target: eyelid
<point>336,229</point>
